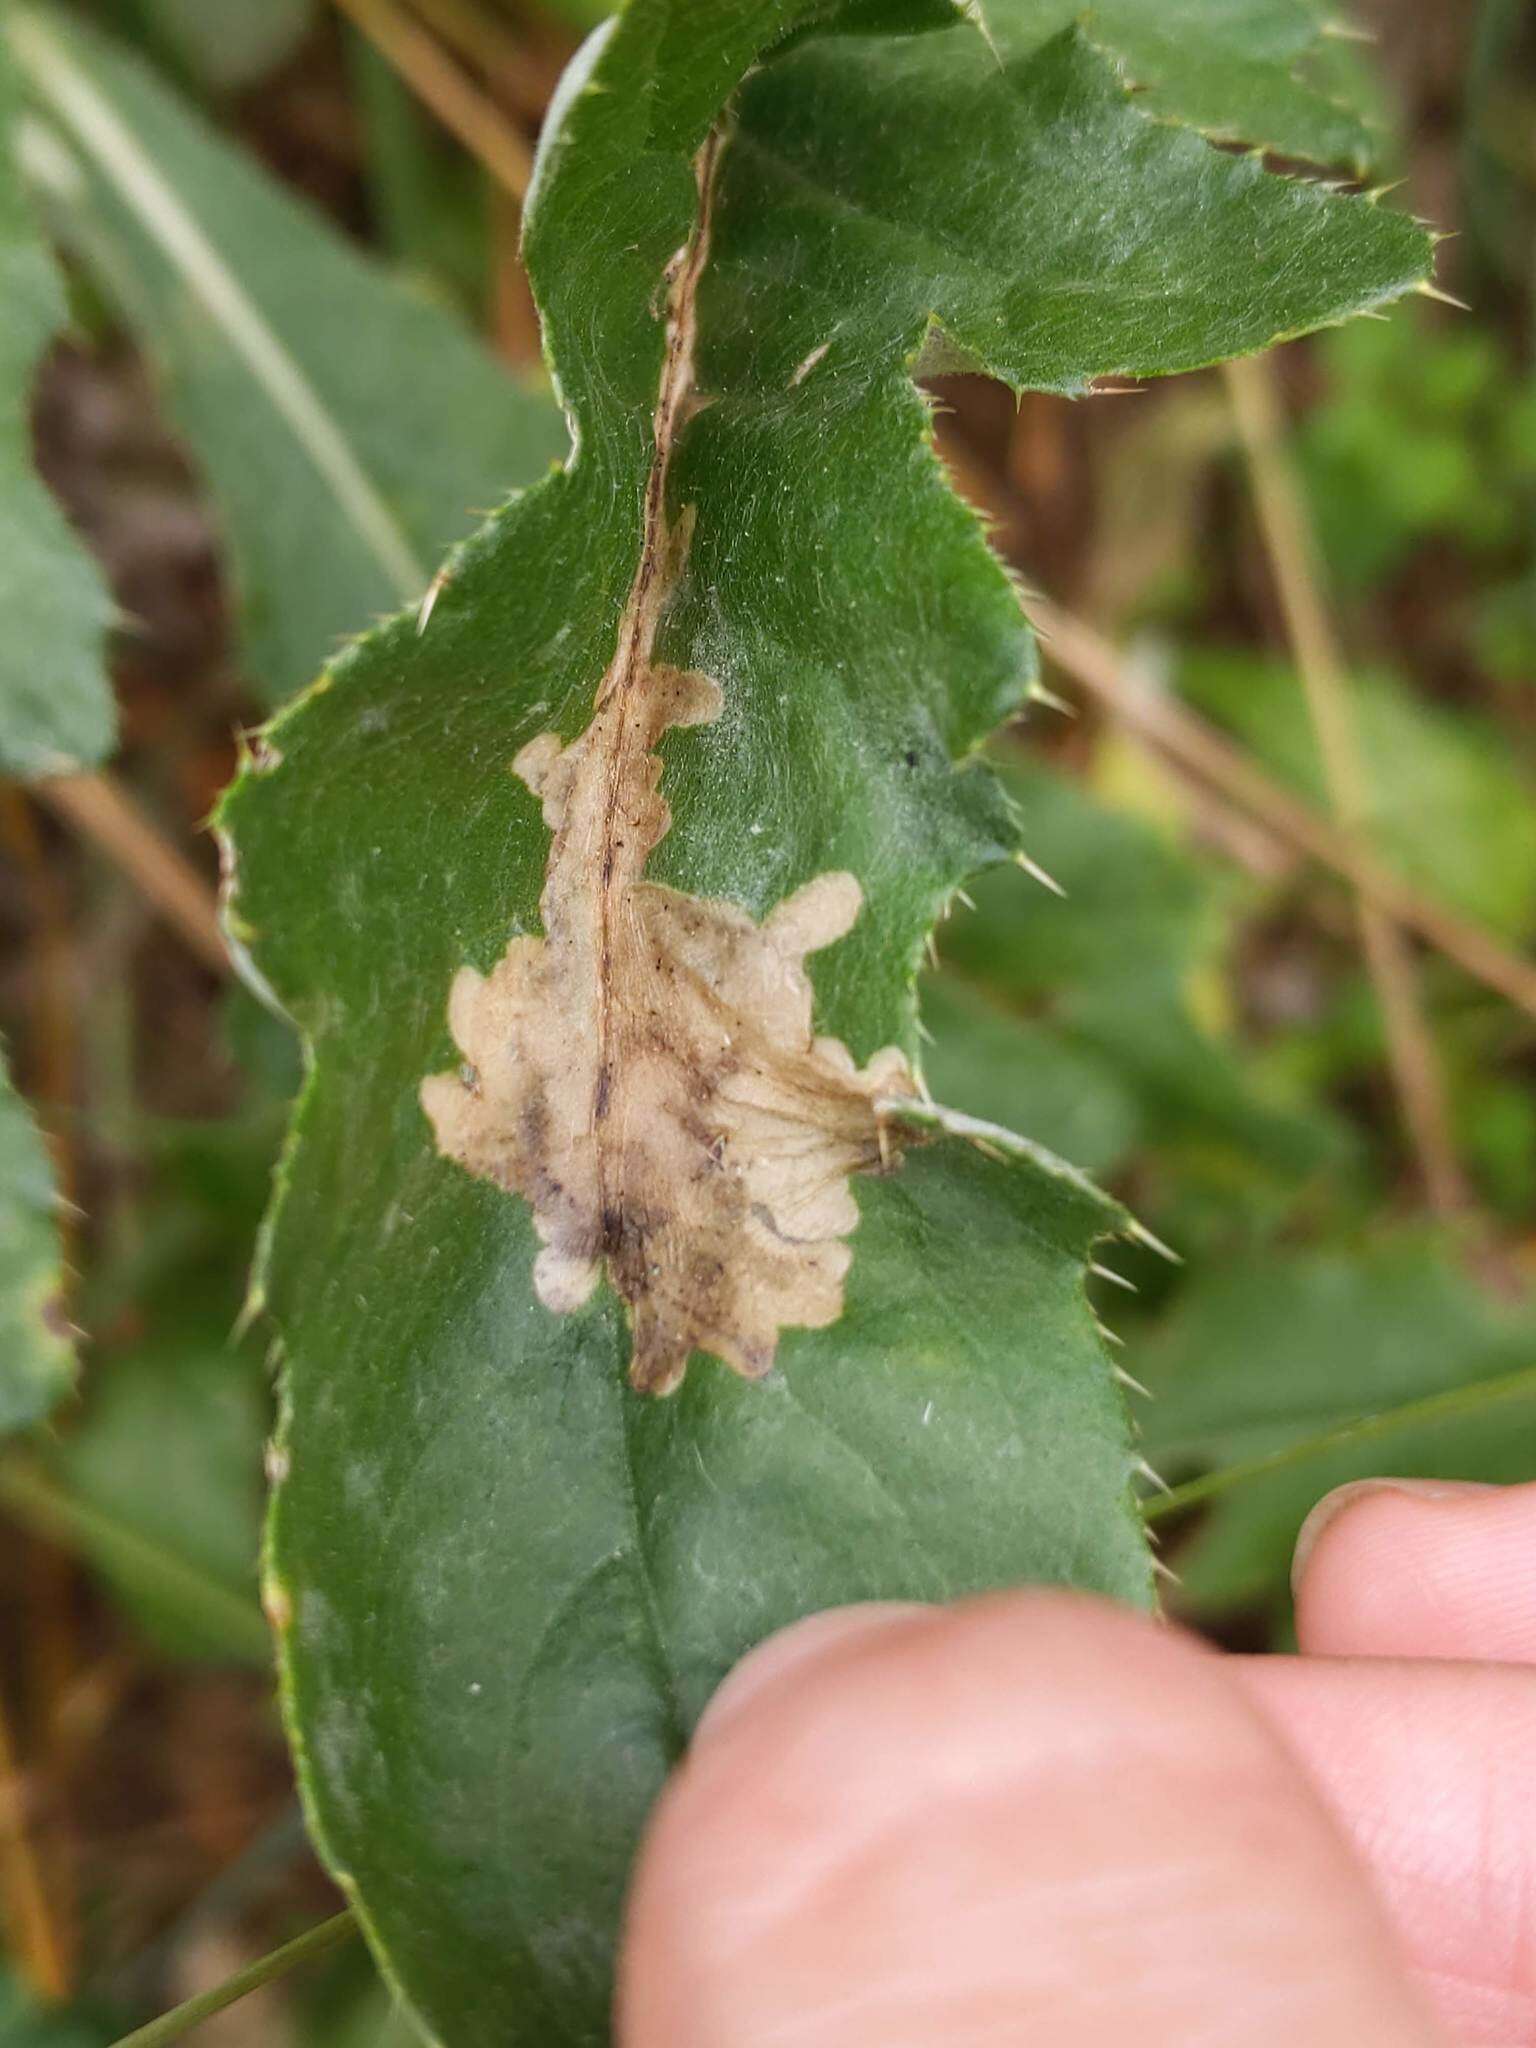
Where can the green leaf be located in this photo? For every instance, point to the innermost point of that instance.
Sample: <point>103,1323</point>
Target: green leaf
<point>56,710</point>
<point>992,1063</point>
<point>1111,968</point>
<point>1417,436</point>
<point>1264,72</point>
<point>153,1578</point>
<point>1086,241</point>
<point>235,43</point>
<point>36,1359</point>
<point>429,207</point>
<point>158,1480</point>
<point>1282,1347</point>
<point>25,2024</point>
<point>169,1447</point>
<point>506,1582</point>
<point>349,2006</point>
<point>347,427</point>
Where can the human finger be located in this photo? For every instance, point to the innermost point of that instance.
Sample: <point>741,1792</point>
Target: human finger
<point>1029,1817</point>
<point>1416,1568</point>
<point>1431,1769</point>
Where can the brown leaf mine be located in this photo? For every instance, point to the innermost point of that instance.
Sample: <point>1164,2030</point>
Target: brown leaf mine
<point>646,1074</point>
<point>673,1114</point>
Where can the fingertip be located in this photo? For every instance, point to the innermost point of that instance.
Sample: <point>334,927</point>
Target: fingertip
<point>1419,1568</point>
<point>1034,1812</point>
<point>1334,1505</point>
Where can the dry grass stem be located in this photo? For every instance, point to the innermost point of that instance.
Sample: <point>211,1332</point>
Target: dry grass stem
<point>101,810</point>
<point>1290,543</point>
<point>437,81</point>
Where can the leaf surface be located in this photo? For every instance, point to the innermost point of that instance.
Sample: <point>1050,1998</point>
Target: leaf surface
<point>506,1583</point>
<point>339,418</point>
<point>1264,72</point>
<point>56,710</point>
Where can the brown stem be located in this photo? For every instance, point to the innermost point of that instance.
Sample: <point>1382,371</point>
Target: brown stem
<point>1291,545</point>
<point>1197,747</point>
<point>38,1943</point>
<point>522,75</point>
<point>457,101</point>
<point>1192,745</point>
<point>101,810</point>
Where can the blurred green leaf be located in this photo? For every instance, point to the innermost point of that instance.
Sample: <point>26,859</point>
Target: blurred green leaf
<point>428,203</point>
<point>158,1480</point>
<point>349,429</point>
<point>25,2024</point>
<point>263,1045</point>
<point>36,1358</point>
<point>1505,629</point>
<point>170,1446</point>
<point>56,710</point>
<point>1111,968</point>
<point>348,2005</point>
<point>1135,913</point>
<point>201,1186</point>
<point>992,1063</point>
<point>1449,806</point>
<point>201,1609</point>
<point>227,44</point>
<point>1497,1123</point>
<point>1417,435</point>
<point>1287,1345</point>
<point>1499,202</point>
<point>1337,1053</point>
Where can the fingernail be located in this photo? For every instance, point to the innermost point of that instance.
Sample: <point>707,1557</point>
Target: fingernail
<point>1332,1505</point>
<point>801,1643</point>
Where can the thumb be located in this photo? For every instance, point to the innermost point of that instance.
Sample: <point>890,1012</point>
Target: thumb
<point>1031,1817</point>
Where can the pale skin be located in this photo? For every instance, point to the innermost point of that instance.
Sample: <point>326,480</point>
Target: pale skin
<point>1035,1818</point>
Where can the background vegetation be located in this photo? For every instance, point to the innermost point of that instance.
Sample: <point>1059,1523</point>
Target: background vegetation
<point>1292,620</point>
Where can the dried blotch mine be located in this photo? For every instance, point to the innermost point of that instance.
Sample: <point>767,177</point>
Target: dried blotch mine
<point>645,1074</point>
<point>665,1109</point>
